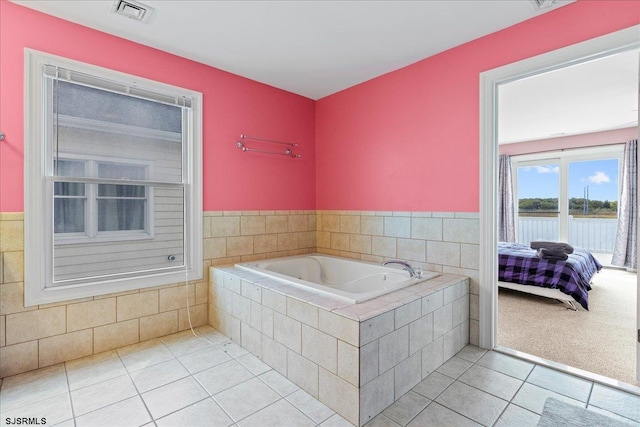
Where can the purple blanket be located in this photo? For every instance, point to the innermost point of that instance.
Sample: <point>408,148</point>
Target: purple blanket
<point>519,263</point>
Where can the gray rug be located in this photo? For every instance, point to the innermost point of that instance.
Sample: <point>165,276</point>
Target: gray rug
<point>558,413</point>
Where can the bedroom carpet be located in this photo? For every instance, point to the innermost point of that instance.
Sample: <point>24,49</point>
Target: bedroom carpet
<point>601,340</point>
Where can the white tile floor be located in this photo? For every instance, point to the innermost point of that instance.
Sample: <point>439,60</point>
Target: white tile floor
<point>181,380</point>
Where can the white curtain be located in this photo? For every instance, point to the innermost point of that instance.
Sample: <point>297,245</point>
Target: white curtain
<point>624,251</point>
<point>506,206</point>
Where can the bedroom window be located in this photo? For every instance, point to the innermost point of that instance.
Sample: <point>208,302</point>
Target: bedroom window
<point>113,181</point>
<point>570,196</point>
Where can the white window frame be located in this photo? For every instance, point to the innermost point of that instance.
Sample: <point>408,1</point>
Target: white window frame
<point>39,236</point>
<point>91,233</point>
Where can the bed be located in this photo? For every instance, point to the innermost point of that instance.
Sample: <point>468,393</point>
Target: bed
<point>520,269</point>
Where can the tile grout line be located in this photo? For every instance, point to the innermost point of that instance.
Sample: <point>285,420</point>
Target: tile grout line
<point>136,388</point>
<point>66,377</point>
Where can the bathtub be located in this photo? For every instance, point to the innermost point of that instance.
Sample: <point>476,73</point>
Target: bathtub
<point>350,280</point>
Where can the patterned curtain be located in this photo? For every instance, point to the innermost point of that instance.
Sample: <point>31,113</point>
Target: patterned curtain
<point>506,216</point>
<point>624,252</point>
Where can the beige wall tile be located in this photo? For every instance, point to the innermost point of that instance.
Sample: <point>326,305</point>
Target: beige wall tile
<point>287,331</point>
<point>303,372</point>
<point>376,396</point>
<point>397,226</point>
<point>287,241</point>
<point>265,243</point>
<point>225,226</point>
<point>339,326</point>
<point>137,305</point>
<point>410,249</point>
<point>277,224</point>
<point>13,267</point>
<point>250,225</point>
<point>369,358</point>
<point>443,253</point>
<point>360,244</point>
<point>64,347</point>
<point>339,395</point>
<point>274,301</point>
<point>383,246</point>
<point>470,256</point>
<point>2,332</point>
<point>15,359</point>
<point>115,335</point>
<point>302,312</point>
<point>312,218</point>
<point>199,316</point>
<point>426,228</point>
<point>298,223</point>
<point>348,362</point>
<point>215,248</point>
<point>340,241</point>
<point>202,292</point>
<point>251,340</point>
<point>206,226</point>
<point>11,236</point>
<point>350,224</point>
<point>239,245</point>
<point>372,225</point>
<point>12,298</point>
<point>394,348</point>
<point>176,297</point>
<point>274,354</point>
<point>330,222</point>
<point>158,325</point>
<point>320,348</point>
<point>461,230</point>
<point>307,239</point>
<point>324,239</point>
<point>31,325</point>
<point>89,314</point>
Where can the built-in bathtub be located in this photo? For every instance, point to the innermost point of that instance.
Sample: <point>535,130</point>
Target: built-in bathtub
<point>349,280</point>
<point>356,358</point>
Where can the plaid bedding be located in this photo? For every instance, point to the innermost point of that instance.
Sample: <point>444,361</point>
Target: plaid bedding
<point>518,263</point>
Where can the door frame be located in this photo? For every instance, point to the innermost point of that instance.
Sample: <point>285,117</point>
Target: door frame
<point>602,46</point>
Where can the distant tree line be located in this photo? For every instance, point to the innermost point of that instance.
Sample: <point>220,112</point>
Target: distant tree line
<point>576,206</point>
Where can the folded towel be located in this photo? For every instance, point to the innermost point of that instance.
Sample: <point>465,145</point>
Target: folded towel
<point>545,253</point>
<point>553,246</point>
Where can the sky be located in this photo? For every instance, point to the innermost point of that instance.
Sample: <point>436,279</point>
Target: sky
<point>541,181</point>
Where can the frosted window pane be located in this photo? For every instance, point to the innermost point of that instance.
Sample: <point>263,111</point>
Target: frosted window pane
<point>95,104</point>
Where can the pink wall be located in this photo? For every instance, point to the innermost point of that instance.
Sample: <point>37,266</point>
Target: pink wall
<point>232,105</point>
<point>408,140</point>
<point>609,137</point>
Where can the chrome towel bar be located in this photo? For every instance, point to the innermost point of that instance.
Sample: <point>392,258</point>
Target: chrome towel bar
<point>287,152</point>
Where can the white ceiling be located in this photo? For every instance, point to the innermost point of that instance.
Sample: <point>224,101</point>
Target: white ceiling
<point>317,48</point>
<point>312,48</point>
<point>593,96</point>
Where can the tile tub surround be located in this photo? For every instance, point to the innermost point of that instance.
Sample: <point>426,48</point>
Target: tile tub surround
<point>447,242</point>
<point>44,335</point>
<point>355,358</point>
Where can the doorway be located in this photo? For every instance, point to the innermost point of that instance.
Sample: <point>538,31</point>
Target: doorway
<point>490,81</point>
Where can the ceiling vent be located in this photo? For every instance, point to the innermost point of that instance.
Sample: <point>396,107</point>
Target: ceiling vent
<point>543,4</point>
<point>132,10</point>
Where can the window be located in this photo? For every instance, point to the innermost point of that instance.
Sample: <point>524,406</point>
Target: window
<point>570,196</point>
<point>101,212</point>
<point>113,181</point>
